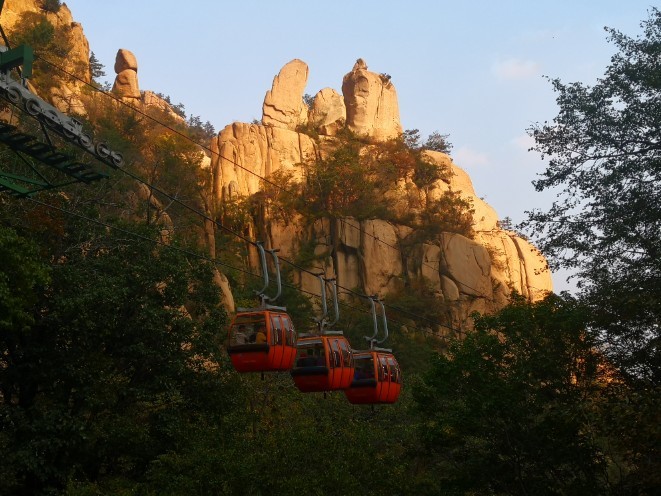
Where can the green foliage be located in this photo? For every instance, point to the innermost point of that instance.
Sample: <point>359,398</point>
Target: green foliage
<point>340,186</point>
<point>308,100</point>
<point>36,31</point>
<point>604,153</point>
<point>416,304</point>
<point>293,444</point>
<point>435,141</point>
<point>450,213</point>
<point>21,276</point>
<point>507,224</point>
<point>178,108</point>
<point>364,180</point>
<point>506,412</point>
<point>200,132</point>
<point>96,67</point>
<point>438,142</point>
<point>113,378</point>
<point>122,365</point>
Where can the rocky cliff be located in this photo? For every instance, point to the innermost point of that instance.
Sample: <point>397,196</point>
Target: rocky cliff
<point>376,256</point>
<point>17,14</point>
<point>467,274</point>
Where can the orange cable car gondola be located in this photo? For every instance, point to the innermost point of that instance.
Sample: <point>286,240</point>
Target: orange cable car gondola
<point>377,377</point>
<point>263,339</point>
<point>324,361</point>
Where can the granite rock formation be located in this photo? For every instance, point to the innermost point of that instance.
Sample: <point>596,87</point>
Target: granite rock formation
<point>126,81</point>
<point>467,274</point>
<point>64,92</point>
<point>328,113</point>
<point>371,102</point>
<point>283,105</point>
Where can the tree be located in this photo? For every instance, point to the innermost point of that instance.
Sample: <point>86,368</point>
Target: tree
<point>21,274</point>
<point>35,30</point>
<point>438,142</point>
<point>506,410</point>
<point>604,153</point>
<point>200,132</point>
<point>121,353</point>
<point>96,67</point>
<point>308,100</point>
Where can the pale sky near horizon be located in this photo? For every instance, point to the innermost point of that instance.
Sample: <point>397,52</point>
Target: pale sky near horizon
<point>471,69</point>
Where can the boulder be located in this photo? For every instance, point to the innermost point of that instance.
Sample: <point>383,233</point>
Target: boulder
<point>125,60</point>
<point>283,104</point>
<point>467,263</point>
<point>485,217</point>
<point>126,84</point>
<point>328,114</point>
<point>450,289</point>
<point>534,267</point>
<point>349,233</point>
<point>431,255</point>
<point>371,103</point>
<point>381,256</point>
<point>466,274</point>
<point>126,81</point>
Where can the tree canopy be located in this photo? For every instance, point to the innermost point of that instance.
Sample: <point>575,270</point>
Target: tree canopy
<point>505,410</point>
<point>604,155</point>
<point>114,379</point>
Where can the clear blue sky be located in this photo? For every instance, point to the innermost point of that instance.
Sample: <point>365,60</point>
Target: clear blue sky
<point>470,69</point>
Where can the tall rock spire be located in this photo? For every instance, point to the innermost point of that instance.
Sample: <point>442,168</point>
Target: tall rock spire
<point>126,68</point>
<point>371,102</point>
<point>283,104</point>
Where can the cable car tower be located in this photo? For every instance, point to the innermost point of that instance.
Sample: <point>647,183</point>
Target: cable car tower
<point>40,165</point>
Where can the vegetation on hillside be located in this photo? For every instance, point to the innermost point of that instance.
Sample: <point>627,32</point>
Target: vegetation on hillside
<point>114,379</point>
<point>605,159</point>
<point>391,180</point>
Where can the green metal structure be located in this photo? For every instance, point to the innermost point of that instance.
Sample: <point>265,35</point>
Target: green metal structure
<point>35,164</point>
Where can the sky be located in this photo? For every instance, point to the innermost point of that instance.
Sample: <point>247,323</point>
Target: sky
<point>475,70</point>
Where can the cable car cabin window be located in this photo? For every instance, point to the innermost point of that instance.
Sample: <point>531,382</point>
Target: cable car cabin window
<point>310,353</point>
<point>335,357</point>
<point>395,373</point>
<point>346,353</point>
<point>364,367</point>
<point>290,334</point>
<point>245,330</point>
<point>383,369</point>
<point>276,330</point>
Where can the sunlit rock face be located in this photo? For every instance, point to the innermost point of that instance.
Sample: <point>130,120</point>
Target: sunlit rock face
<point>283,104</point>
<point>242,153</point>
<point>374,256</point>
<point>328,114</point>
<point>64,94</point>
<point>151,99</point>
<point>371,102</point>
